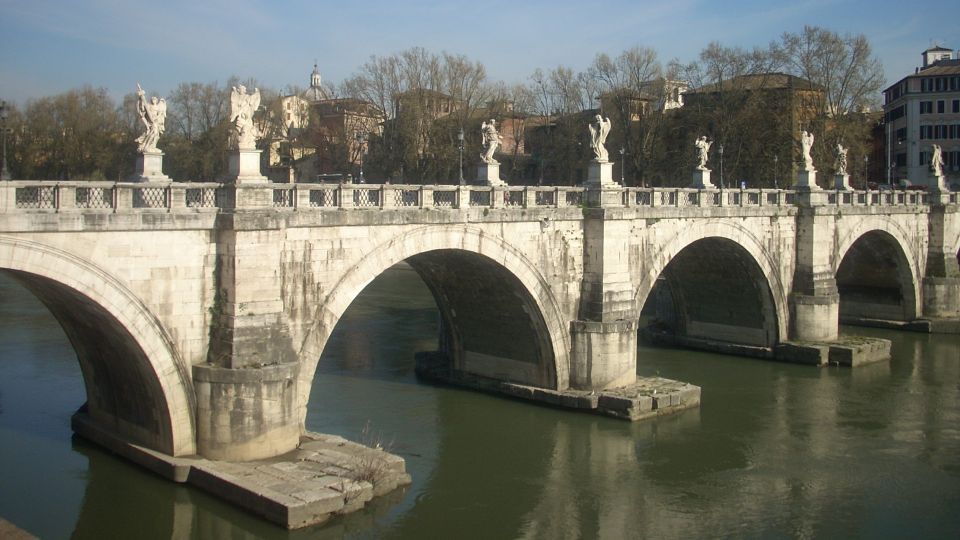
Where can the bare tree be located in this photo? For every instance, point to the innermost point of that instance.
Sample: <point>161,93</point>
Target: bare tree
<point>631,88</point>
<point>843,65</point>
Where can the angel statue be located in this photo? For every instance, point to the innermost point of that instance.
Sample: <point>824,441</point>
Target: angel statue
<point>598,136</point>
<point>841,159</point>
<point>703,152</point>
<point>153,114</point>
<point>806,144</point>
<point>936,161</point>
<point>491,140</point>
<point>242,107</point>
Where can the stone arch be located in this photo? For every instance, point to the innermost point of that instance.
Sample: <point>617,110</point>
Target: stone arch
<point>137,385</point>
<point>759,255</point>
<point>891,234</point>
<point>431,239</point>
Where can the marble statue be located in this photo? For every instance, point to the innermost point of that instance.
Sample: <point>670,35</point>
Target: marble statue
<point>703,152</point>
<point>806,143</point>
<point>841,159</point>
<point>491,140</point>
<point>936,161</point>
<point>598,136</point>
<point>242,107</point>
<point>153,114</point>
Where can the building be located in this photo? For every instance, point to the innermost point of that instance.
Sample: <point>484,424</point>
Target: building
<point>316,134</point>
<point>920,110</point>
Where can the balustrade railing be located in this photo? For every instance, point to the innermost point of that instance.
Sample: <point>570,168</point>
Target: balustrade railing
<point>879,198</point>
<point>48,196</point>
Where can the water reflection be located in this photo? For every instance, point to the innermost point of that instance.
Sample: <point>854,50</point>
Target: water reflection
<point>775,451</point>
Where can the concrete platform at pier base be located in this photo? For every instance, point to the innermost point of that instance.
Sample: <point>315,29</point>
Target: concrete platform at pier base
<point>845,351</point>
<point>927,326</point>
<point>849,351</point>
<point>325,477</point>
<point>647,398</point>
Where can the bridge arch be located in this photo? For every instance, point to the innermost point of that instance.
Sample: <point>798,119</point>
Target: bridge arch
<point>427,249</point>
<point>877,269</point>
<point>738,245</point>
<point>136,384</point>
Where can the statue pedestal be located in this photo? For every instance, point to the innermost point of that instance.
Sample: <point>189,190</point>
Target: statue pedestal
<point>602,191</point>
<point>600,174</point>
<point>938,183</point>
<point>149,168</point>
<point>701,179</point>
<point>244,168</point>
<point>806,180</point>
<point>842,182</point>
<point>488,174</point>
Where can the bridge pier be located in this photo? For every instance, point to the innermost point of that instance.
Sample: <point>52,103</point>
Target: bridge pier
<point>247,404</point>
<point>941,283</point>
<point>815,302</point>
<point>604,339</point>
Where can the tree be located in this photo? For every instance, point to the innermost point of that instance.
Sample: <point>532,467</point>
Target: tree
<point>77,135</point>
<point>427,99</point>
<point>843,65</point>
<point>632,91</point>
<point>739,100</point>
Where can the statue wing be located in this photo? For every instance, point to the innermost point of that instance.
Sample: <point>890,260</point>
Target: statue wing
<point>593,131</point>
<point>236,103</point>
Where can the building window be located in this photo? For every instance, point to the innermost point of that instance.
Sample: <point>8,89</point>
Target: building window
<point>924,157</point>
<point>901,134</point>
<point>941,106</point>
<point>926,107</point>
<point>901,160</point>
<point>956,105</point>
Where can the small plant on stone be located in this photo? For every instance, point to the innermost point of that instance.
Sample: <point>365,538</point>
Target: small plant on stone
<point>371,465</point>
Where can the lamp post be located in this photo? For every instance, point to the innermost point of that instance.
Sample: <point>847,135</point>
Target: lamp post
<point>4,172</point>
<point>623,164</point>
<point>460,147</point>
<point>721,166</point>
<point>776,182</point>
<point>866,167</point>
<point>361,138</point>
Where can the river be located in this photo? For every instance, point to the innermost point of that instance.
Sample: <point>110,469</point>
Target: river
<point>775,451</point>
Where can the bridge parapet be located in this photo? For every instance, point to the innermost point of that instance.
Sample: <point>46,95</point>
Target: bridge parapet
<point>119,197</point>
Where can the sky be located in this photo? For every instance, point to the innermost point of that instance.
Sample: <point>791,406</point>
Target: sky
<point>50,46</point>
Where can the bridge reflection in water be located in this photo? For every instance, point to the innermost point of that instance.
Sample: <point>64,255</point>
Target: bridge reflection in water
<point>776,450</point>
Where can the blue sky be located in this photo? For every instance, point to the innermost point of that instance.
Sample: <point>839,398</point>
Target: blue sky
<point>49,46</point>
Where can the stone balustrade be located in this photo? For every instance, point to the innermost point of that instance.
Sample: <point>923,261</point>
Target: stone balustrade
<point>59,196</point>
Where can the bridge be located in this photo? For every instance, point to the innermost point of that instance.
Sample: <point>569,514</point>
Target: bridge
<point>199,311</point>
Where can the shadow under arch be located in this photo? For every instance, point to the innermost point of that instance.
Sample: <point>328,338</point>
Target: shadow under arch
<point>137,386</point>
<point>876,277</point>
<point>464,268</point>
<point>717,282</point>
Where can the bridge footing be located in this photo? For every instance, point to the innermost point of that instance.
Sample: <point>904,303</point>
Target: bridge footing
<point>648,397</point>
<point>845,351</point>
<point>926,326</point>
<point>325,476</point>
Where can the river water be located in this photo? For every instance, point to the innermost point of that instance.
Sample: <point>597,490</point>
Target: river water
<point>775,451</point>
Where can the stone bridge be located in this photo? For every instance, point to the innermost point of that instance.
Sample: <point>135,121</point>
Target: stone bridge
<point>199,311</point>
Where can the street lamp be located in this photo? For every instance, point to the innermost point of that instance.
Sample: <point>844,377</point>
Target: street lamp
<point>866,166</point>
<point>623,163</point>
<point>721,165</point>
<point>776,182</point>
<point>4,172</point>
<point>361,138</point>
<point>460,147</point>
